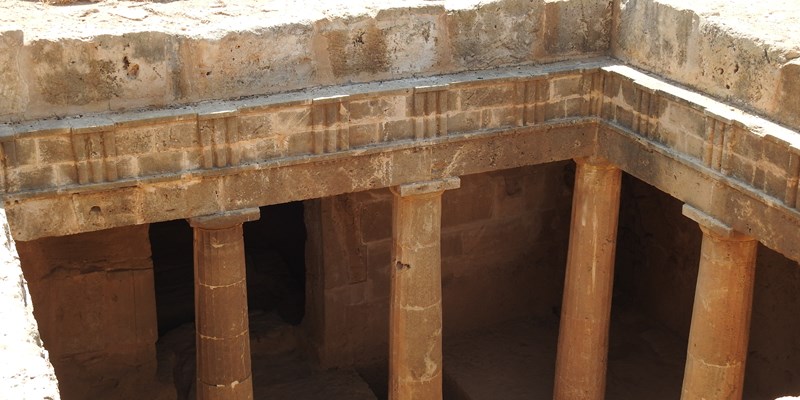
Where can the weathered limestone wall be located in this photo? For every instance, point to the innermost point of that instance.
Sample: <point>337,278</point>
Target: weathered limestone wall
<point>186,51</point>
<point>657,263</point>
<point>504,238</point>
<point>94,300</point>
<point>26,371</point>
<point>744,53</point>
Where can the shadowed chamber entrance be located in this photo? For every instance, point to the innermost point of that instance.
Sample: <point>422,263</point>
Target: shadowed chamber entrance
<point>275,263</point>
<point>658,253</point>
<point>657,258</point>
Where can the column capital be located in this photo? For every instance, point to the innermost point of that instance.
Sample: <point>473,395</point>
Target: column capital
<point>595,162</point>
<point>225,219</point>
<point>427,187</point>
<point>713,226</point>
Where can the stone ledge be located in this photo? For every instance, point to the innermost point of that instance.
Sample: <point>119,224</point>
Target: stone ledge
<point>515,117</point>
<point>116,56</point>
<point>743,52</point>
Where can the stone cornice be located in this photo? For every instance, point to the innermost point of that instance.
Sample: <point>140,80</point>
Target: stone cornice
<point>102,171</point>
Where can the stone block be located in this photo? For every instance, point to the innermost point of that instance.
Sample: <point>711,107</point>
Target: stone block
<point>464,121</point>
<point>376,220</point>
<point>488,96</point>
<point>275,59</point>
<point>255,125</point>
<point>356,48</point>
<point>567,30</point>
<point>380,107</point>
<point>55,149</point>
<point>624,117</point>
<point>692,146</point>
<point>301,143</point>
<point>554,110</point>
<point>105,72</point>
<point>471,203</point>
<point>787,107</point>
<point>127,167</point>
<point>291,119</point>
<point>746,144</point>
<point>259,150</point>
<point>505,117</point>
<point>363,135</point>
<point>490,34</point>
<point>773,184</point>
<point>161,163</point>
<point>415,39</point>
<point>32,178</point>
<point>136,140</point>
<point>397,130</point>
<point>568,86</point>
<point>25,151</point>
<point>13,93</point>
<point>101,211</point>
<point>575,107</point>
<point>176,136</point>
<point>65,174</point>
<point>173,200</point>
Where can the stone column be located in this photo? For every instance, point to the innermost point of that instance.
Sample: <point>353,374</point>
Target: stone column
<point>715,359</point>
<point>220,298</point>
<point>415,320</point>
<point>586,308</point>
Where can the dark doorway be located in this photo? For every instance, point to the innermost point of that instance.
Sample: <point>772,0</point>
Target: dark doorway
<point>275,257</point>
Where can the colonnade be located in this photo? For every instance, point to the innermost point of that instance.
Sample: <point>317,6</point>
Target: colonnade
<point>719,328</point>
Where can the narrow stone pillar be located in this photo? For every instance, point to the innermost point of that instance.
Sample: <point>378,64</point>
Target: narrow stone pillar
<point>586,307</point>
<point>415,311</point>
<point>723,299</point>
<point>220,302</point>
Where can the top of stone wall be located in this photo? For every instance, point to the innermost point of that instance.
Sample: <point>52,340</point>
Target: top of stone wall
<point>110,56</point>
<point>746,53</point>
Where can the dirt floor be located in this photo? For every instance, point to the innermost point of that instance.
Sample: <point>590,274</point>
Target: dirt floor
<point>280,370</point>
<point>516,360</point>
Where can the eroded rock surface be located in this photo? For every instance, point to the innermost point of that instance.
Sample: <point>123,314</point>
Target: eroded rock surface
<point>25,372</point>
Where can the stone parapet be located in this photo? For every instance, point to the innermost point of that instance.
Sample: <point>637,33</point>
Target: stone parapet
<point>126,55</point>
<point>744,53</point>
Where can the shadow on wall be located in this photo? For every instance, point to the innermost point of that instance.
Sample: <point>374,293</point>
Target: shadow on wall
<point>658,255</point>
<point>274,252</point>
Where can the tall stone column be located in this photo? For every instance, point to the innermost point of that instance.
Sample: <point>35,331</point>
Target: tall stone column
<point>586,307</point>
<point>220,298</point>
<point>715,359</point>
<point>415,320</point>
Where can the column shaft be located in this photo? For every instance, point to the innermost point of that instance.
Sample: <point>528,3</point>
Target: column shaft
<point>586,308</point>
<point>221,317</point>
<point>415,327</point>
<point>718,337</point>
